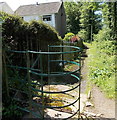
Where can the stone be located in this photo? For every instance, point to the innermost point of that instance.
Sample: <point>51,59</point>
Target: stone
<point>99,115</point>
<point>89,114</point>
<point>88,104</point>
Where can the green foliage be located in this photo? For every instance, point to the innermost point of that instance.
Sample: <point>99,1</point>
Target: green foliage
<point>20,35</point>
<point>102,54</point>
<point>20,31</point>
<point>43,31</point>
<point>3,16</point>
<point>68,36</point>
<point>72,16</point>
<point>108,45</point>
<point>103,35</point>
<point>109,11</point>
<point>102,63</point>
<point>11,111</point>
<point>83,34</point>
<point>89,21</point>
<point>12,28</point>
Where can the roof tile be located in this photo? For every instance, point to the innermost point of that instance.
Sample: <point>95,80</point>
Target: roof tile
<point>40,9</point>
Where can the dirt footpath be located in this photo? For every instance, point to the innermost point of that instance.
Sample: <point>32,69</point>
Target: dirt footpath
<point>99,106</point>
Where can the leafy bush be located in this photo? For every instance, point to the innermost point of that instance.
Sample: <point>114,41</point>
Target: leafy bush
<point>103,35</point>
<point>68,36</point>
<point>11,111</point>
<point>20,35</point>
<point>102,62</point>
<point>105,42</point>
<point>20,31</point>
<point>84,35</point>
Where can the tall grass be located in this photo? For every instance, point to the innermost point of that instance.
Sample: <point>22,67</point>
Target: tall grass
<point>102,64</point>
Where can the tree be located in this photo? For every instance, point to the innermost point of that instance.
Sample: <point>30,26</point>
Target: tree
<point>109,14</point>
<point>72,16</point>
<point>90,21</point>
<point>112,7</point>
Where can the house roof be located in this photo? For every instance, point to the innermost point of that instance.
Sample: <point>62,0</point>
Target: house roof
<point>2,2</point>
<point>6,8</point>
<point>39,9</point>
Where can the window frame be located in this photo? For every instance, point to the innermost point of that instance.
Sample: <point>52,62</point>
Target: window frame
<point>47,17</point>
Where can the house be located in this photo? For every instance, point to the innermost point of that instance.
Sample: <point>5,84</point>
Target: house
<point>4,7</point>
<point>52,13</point>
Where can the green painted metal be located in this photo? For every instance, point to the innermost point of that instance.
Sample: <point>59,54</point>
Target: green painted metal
<point>50,53</point>
<point>42,95</point>
<point>39,72</point>
<point>29,82</point>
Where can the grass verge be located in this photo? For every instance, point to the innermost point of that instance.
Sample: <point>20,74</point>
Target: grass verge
<point>101,70</point>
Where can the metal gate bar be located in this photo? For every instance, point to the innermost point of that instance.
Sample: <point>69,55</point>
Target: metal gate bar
<point>31,70</point>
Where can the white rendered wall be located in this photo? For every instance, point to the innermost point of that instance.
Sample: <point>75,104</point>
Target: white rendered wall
<point>29,18</point>
<point>36,17</point>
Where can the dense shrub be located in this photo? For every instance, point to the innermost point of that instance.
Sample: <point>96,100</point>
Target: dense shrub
<point>73,39</point>
<point>68,36</point>
<point>16,31</point>
<point>103,35</point>
<point>83,34</point>
<point>105,42</point>
<point>21,36</point>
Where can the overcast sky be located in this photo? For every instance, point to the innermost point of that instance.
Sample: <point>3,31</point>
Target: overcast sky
<point>14,4</point>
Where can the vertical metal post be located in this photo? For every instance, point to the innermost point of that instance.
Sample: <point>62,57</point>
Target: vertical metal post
<point>29,83</point>
<point>48,67</point>
<point>71,54</point>
<point>28,76</point>
<point>42,95</point>
<point>1,70</point>
<point>80,79</point>
<point>62,55</point>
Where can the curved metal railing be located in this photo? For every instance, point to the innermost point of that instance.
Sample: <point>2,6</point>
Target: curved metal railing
<point>31,70</point>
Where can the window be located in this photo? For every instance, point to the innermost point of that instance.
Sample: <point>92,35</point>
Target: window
<point>47,18</point>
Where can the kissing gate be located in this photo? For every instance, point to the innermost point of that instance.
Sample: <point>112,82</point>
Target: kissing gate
<point>50,94</point>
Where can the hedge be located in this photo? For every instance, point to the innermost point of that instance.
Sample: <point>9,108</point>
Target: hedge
<point>20,35</point>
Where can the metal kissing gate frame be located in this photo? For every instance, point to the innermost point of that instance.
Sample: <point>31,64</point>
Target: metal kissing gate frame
<point>31,89</point>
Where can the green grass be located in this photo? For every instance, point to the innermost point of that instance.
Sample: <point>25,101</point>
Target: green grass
<point>101,69</point>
